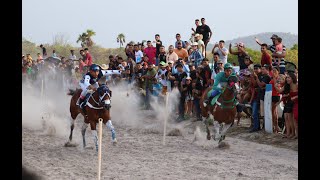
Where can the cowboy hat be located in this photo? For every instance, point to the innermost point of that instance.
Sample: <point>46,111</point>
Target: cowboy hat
<point>104,66</point>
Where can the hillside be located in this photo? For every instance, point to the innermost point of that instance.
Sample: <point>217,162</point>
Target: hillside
<point>288,40</point>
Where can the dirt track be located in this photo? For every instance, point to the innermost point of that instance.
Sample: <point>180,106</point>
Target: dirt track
<point>140,153</point>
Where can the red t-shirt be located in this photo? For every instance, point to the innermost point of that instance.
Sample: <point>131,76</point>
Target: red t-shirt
<point>89,58</point>
<point>266,59</point>
<point>151,53</point>
<point>274,91</point>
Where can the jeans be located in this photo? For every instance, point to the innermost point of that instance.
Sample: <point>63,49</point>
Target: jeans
<point>157,61</point>
<point>214,93</point>
<point>181,106</point>
<point>255,113</point>
<point>196,103</point>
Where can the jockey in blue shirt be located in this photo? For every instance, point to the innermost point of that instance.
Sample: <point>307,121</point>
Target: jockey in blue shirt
<point>221,78</point>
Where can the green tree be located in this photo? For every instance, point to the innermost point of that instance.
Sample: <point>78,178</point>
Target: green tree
<point>121,39</point>
<point>294,47</point>
<point>86,38</point>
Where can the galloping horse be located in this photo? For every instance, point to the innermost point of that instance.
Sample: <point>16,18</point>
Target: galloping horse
<point>98,106</point>
<point>223,111</point>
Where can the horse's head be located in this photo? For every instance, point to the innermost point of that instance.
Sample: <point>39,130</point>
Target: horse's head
<point>232,80</point>
<point>104,96</point>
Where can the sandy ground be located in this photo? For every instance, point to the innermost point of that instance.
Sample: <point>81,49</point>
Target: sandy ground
<point>140,154</point>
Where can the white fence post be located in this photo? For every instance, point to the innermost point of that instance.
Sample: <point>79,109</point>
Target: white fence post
<point>267,109</point>
<point>99,151</point>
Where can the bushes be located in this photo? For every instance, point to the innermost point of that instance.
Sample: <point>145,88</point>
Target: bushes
<point>292,56</point>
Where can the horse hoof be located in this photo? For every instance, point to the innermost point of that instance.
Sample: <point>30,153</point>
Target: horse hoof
<point>208,137</point>
<point>88,147</point>
<point>114,142</point>
<point>69,144</point>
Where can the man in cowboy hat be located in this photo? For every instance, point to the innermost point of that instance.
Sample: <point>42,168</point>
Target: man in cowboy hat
<point>201,47</point>
<point>196,56</point>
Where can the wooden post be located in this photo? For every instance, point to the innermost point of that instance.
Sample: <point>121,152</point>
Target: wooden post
<point>99,151</point>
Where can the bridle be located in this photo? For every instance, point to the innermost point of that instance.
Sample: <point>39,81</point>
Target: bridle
<point>102,103</point>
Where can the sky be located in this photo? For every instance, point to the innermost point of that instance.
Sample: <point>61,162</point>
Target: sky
<point>142,19</point>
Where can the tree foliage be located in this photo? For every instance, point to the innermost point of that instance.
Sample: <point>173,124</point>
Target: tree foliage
<point>121,38</point>
<point>86,38</point>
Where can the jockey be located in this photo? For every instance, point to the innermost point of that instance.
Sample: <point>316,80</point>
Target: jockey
<point>89,81</point>
<point>221,77</point>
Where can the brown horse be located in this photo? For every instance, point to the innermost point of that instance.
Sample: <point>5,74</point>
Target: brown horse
<point>223,111</point>
<point>98,106</point>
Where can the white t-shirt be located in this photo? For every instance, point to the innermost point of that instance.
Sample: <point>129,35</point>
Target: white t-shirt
<point>162,81</point>
<point>73,57</point>
<point>223,58</point>
<point>139,56</point>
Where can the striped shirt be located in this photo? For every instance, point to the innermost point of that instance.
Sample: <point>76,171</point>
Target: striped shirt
<point>272,48</point>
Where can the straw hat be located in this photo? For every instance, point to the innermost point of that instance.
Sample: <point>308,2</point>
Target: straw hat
<point>104,66</point>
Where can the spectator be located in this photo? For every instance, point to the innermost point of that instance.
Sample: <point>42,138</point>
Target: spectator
<point>222,51</point>
<point>179,79</point>
<point>255,99</point>
<point>130,52</point>
<point>241,53</point>
<point>54,54</point>
<point>217,70</point>
<point>275,98</point>
<point>196,56</point>
<point>278,60</point>
<point>44,51</point>
<point>206,32</point>
<point>149,79</point>
<point>262,79</point>
<point>265,57</point>
<point>291,88</point>
<point>88,59</point>
<point>138,54</point>
<point>196,94</point>
<point>181,52</point>
<point>201,47</point>
<point>72,55</point>
<point>206,73</point>
<point>187,92</point>
<point>183,44</point>
<point>272,48</point>
<point>150,52</point>
<point>158,45</point>
<point>162,55</point>
<point>193,72</point>
<point>197,22</point>
<point>171,56</point>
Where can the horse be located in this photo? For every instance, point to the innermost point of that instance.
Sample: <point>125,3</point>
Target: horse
<point>223,111</point>
<point>98,106</point>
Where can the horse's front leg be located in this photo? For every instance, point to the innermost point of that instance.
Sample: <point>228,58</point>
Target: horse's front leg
<point>83,132</point>
<point>113,132</point>
<point>71,129</point>
<point>94,134</point>
<point>205,121</point>
<point>216,130</point>
<point>224,131</point>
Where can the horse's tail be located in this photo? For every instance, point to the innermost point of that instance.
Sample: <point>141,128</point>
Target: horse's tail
<point>71,92</point>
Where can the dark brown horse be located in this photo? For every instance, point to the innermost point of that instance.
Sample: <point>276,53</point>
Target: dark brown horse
<point>223,111</point>
<point>98,106</point>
